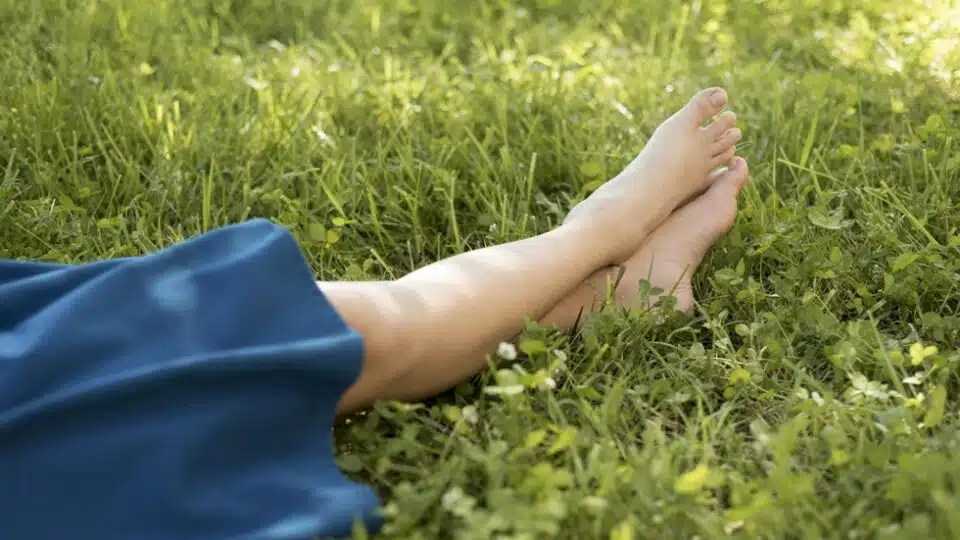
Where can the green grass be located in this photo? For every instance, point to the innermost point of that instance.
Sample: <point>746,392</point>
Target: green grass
<point>387,134</point>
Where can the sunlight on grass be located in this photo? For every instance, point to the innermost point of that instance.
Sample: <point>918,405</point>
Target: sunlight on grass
<point>913,38</point>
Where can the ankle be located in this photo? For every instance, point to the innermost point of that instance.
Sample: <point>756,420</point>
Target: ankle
<point>599,245</point>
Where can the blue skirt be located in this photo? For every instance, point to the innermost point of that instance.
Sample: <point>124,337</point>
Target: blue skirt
<point>188,394</point>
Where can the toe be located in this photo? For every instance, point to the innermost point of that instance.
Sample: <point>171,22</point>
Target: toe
<point>728,140</point>
<point>724,157</point>
<point>704,106</point>
<point>701,222</point>
<point>720,125</point>
<point>728,182</point>
<point>720,202</point>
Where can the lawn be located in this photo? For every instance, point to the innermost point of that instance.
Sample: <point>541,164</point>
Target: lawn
<point>812,394</point>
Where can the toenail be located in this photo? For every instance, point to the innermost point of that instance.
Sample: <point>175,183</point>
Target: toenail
<point>718,98</point>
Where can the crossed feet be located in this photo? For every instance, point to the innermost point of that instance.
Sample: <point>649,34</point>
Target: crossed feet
<point>675,200</point>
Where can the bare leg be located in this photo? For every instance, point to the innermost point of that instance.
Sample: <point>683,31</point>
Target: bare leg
<point>433,328</point>
<point>669,256</point>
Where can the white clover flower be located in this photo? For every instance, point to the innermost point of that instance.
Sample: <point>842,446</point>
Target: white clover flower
<point>548,384</point>
<point>594,503</point>
<point>470,415</point>
<point>322,135</point>
<point>561,365</point>
<point>733,527</point>
<point>914,379</point>
<point>452,497</point>
<point>804,394</point>
<point>507,351</point>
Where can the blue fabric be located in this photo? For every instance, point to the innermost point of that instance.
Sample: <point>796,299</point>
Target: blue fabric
<point>184,395</point>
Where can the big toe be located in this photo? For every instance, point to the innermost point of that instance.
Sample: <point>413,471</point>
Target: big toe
<point>708,217</point>
<point>720,201</point>
<point>704,106</point>
<point>728,182</point>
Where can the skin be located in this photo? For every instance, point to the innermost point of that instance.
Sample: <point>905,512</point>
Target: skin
<point>434,327</point>
<point>668,257</point>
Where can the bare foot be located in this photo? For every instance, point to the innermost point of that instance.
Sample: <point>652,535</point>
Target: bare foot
<point>668,257</point>
<point>674,166</point>
<point>671,254</point>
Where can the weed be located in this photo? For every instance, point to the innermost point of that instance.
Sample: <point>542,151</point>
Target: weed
<point>813,395</point>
